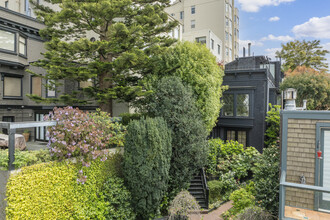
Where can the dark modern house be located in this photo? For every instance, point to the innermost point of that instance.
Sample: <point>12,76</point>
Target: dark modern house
<point>253,83</point>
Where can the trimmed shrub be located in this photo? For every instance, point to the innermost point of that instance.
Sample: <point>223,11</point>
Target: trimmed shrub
<point>146,164</point>
<point>229,184</point>
<point>267,179</point>
<point>175,103</point>
<point>50,191</point>
<point>24,158</point>
<point>182,205</point>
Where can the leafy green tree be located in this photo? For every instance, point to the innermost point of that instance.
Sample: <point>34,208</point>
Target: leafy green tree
<point>273,125</point>
<point>125,34</point>
<point>197,67</point>
<point>311,85</point>
<point>175,103</point>
<point>298,53</point>
<point>147,159</point>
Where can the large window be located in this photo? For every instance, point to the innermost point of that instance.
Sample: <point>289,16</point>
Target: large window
<point>22,45</point>
<point>12,87</point>
<point>228,107</point>
<point>201,40</point>
<point>237,135</point>
<point>236,105</point>
<point>36,83</point>
<point>7,40</point>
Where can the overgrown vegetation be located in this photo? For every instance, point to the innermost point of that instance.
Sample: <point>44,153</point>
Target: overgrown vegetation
<point>175,103</point>
<point>273,125</point>
<point>24,158</point>
<point>146,164</point>
<point>244,176</point>
<point>197,68</point>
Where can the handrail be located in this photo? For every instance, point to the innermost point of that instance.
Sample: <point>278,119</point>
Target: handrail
<point>284,184</point>
<point>206,191</point>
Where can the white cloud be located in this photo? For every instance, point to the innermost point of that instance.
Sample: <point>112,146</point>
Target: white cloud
<point>277,38</point>
<point>244,43</point>
<point>270,52</point>
<point>255,5</point>
<point>275,18</point>
<point>316,27</point>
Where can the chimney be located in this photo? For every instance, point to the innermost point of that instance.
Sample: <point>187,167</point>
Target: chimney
<point>290,96</point>
<point>243,51</point>
<point>249,49</point>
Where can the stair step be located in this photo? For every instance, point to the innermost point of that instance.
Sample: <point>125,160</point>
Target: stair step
<point>195,189</point>
<point>197,193</point>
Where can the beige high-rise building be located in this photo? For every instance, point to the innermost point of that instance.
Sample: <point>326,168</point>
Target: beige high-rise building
<point>218,17</point>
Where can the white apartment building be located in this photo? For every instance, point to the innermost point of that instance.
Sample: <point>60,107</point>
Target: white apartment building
<point>209,21</point>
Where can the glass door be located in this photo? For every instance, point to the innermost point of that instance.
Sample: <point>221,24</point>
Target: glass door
<point>324,198</point>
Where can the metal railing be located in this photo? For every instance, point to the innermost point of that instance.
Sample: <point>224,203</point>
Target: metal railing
<point>11,127</point>
<point>284,184</point>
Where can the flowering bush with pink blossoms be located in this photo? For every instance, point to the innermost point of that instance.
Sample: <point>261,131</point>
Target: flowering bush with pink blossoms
<point>83,135</point>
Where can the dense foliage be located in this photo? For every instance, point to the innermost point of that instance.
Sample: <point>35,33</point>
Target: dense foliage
<point>24,158</point>
<point>311,85</point>
<point>297,53</point>
<point>175,103</point>
<point>266,179</point>
<point>196,66</point>
<point>50,191</point>
<point>182,205</point>
<point>273,125</point>
<point>125,35</point>
<point>84,135</point>
<point>230,156</point>
<point>146,164</point>
<point>242,199</point>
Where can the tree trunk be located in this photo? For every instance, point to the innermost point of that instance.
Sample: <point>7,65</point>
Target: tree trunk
<point>107,107</point>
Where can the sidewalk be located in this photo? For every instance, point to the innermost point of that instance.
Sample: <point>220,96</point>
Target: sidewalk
<point>214,215</point>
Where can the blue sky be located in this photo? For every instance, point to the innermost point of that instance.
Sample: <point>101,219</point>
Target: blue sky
<point>269,23</point>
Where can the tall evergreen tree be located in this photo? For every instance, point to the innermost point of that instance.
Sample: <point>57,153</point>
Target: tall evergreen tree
<point>108,41</point>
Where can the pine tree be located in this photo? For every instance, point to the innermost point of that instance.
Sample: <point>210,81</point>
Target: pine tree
<point>108,41</point>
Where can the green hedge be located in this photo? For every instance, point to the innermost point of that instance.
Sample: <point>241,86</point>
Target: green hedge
<point>50,191</point>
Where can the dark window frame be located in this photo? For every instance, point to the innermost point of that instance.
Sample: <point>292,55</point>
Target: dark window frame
<point>3,75</point>
<point>236,130</point>
<point>25,45</point>
<point>212,44</point>
<point>14,52</point>
<point>236,92</point>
